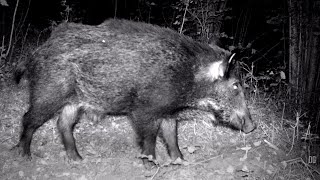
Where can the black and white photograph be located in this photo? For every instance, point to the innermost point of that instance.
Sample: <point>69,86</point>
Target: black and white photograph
<point>159,89</point>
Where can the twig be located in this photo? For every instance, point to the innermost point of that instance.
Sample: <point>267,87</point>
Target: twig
<point>6,139</point>
<point>12,27</point>
<point>184,16</point>
<point>20,24</point>
<point>299,159</point>
<point>200,162</point>
<point>271,145</point>
<point>155,173</point>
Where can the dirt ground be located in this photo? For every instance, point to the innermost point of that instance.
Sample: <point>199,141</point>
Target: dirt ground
<point>109,150</point>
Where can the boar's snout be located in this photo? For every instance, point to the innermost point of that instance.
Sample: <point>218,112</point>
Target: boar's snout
<point>242,120</point>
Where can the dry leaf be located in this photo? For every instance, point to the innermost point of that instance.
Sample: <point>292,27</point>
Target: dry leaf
<point>247,148</point>
<point>21,173</point>
<point>269,171</point>
<point>258,158</point>
<point>230,169</point>
<point>180,161</point>
<point>245,169</point>
<point>244,157</point>
<point>258,143</point>
<point>191,149</point>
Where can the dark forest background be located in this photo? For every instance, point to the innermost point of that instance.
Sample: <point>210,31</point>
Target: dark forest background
<point>277,42</point>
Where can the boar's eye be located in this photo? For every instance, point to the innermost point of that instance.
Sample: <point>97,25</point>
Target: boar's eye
<point>235,86</point>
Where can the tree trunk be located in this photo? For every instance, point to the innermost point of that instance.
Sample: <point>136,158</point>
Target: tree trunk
<point>293,48</point>
<point>304,55</point>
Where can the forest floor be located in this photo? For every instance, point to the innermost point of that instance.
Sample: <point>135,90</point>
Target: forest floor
<point>272,151</point>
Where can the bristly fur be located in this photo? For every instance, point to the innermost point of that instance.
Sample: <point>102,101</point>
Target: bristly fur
<point>144,71</point>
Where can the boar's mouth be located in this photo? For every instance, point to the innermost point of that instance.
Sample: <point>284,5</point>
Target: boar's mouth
<point>238,120</point>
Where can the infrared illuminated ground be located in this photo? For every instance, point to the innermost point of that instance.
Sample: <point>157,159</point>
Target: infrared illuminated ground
<point>109,150</point>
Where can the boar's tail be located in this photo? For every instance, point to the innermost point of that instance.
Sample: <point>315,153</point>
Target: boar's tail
<point>20,71</point>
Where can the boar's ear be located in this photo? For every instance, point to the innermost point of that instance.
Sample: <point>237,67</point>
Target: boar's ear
<point>216,70</point>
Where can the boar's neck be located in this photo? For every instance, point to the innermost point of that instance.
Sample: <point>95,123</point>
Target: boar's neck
<point>200,90</point>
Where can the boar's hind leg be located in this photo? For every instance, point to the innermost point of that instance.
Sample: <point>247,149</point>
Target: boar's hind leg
<point>69,117</point>
<point>42,108</point>
<point>169,135</point>
<point>146,126</point>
